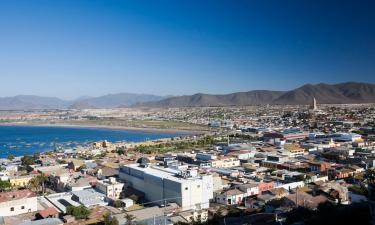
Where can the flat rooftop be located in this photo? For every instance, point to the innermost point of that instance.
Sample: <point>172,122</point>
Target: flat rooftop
<point>165,173</point>
<point>62,200</point>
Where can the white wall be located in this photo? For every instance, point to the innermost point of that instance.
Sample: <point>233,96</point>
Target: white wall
<point>199,191</point>
<point>292,185</point>
<point>28,205</point>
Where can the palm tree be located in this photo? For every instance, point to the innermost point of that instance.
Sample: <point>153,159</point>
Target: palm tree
<point>34,184</point>
<point>42,178</point>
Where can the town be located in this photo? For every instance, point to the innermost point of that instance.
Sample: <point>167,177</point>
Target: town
<point>273,164</point>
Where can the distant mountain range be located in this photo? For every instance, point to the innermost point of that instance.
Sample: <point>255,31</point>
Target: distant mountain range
<point>29,102</point>
<point>343,93</point>
<point>115,101</point>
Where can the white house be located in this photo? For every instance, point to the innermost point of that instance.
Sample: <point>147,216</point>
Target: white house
<point>17,202</point>
<point>249,189</point>
<point>229,197</point>
<point>110,187</point>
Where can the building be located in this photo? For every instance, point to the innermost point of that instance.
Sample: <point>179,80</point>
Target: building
<point>47,221</point>
<point>319,166</point>
<point>229,197</point>
<point>314,105</point>
<point>17,202</point>
<point>110,187</point>
<point>75,164</point>
<point>286,135</point>
<point>265,186</point>
<point>225,162</point>
<point>250,189</point>
<point>294,150</point>
<point>205,156</point>
<point>161,185</point>
<point>89,197</point>
<point>340,137</point>
<point>49,212</point>
<point>20,181</point>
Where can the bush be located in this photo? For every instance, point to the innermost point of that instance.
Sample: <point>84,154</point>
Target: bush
<point>5,185</point>
<point>79,212</point>
<point>358,190</point>
<point>117,204</point>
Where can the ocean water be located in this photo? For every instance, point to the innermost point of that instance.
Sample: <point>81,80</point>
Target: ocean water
<point>26,140</point>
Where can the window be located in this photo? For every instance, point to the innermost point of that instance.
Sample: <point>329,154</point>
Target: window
<point>22,207</point>
<point>198,186</point>
<point>12,209</point>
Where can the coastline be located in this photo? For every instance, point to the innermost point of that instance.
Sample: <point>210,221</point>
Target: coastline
<point>151,131</point>
<point>136,129</point>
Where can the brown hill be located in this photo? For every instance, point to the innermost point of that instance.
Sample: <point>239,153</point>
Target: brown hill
<point>343,93</point>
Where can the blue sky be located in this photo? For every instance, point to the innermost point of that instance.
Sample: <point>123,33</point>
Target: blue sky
<point>75,48</point>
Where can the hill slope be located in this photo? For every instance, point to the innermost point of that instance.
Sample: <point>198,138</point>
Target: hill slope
<point>115,100</point>
<point>239,99</point>
<point>343,93</point>
<point>26,102</point>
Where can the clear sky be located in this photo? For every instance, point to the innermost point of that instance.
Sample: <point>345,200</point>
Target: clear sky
<point>74,48</point>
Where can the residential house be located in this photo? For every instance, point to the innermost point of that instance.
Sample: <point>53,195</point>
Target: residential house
<point>21,181</point>
<point>250,189</point>
<point>110,187</point>
<point>229,197</point>
<point>17,202</point>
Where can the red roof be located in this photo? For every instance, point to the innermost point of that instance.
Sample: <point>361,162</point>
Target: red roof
<point>48,212</point>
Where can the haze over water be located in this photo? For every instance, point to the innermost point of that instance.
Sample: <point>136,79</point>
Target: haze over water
<point>26,140</point>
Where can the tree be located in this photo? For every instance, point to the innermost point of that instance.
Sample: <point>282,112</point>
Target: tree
<point>115,221</point>
<point>121,151</point>
<point>5,185</point>
<point>118,204</point>
<point>38,183</point>
<point>108,220</point>
<point>34,184</point>
<point>42,180</point>
<point>79,212</point>
<point>129,219</point>
<point>28,160</point>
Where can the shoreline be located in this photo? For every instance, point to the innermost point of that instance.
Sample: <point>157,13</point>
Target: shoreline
<point>137,129</point>
<point>175,132</point>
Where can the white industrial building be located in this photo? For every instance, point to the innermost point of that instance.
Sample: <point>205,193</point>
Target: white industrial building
<point>349,137</point>
<point>163,185</point>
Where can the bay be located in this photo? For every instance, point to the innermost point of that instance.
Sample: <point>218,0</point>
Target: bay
<point>26,140</point>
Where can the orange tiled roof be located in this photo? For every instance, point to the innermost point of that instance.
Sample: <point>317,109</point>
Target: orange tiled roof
<point>48,212</point>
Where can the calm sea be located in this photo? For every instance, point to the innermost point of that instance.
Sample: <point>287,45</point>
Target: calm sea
<point>26,140</point>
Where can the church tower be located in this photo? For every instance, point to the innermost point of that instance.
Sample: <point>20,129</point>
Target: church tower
<point>314,106</point>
